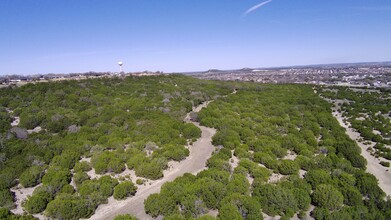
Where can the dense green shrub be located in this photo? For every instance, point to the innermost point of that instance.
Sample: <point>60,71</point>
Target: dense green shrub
<point>56,177</point>
<point>190,131</point>
<point>82,166</point>
<point>125,217</point>
<point>6,199</point>
<point>327,196</point>
<point>124,190</point>
<point>385,163</point>
<point>229,211</point>
<point>103,186</point>
<point>80,177</point>
<point>287,167</point>
<point>32,176</point>
<point>108,162</point>
<point>67,206</point>
<point>37,202</point>
<point>317,177</point>
<point>152,169</point>
<point>276,200</point>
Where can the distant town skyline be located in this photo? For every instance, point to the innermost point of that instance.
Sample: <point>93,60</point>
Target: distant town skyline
<point>45,36</point>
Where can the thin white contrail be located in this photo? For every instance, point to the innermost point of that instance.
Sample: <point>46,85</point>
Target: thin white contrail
<point>256,7</point>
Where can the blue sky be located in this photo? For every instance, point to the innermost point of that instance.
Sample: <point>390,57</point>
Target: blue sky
<point>63,36</point>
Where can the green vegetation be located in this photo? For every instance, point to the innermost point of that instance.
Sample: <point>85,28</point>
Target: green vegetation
<point>368,112</point>
<point>32,176</point>
<point>5,214</point>
<point>125,217</point>
<point>117,122</point>
<point>292,153</point>
<point>124,190</point>
<point>282,130</point>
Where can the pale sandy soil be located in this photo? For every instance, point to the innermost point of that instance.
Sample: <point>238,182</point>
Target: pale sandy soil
<point>35,130</point>
<point>87,159</point>
<point>268,217</point>
<point>275,177</point>
<point>21,195</point>
<point>200,151</point>
<point>234,161</point>
<point>213,213</point>
<point>15,122</point>
<point>383,174</point>
<point>290,156</point>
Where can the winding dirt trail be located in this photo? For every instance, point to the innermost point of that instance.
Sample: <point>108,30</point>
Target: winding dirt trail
<point>200,151</point>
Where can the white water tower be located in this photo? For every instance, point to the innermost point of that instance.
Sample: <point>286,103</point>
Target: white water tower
<point>120,63</point>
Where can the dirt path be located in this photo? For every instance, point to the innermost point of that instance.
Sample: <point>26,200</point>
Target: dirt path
<point>383,174</point>
<point>200,151</point>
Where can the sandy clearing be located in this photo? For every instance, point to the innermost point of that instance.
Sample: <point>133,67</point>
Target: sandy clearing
<point>21,194</point>
<point>16,120</point>
<point>35,130</point>
<point>200,151</point>
<point>234,161</point>
<point>383,174</point>
<point>275,178</point>
<point>290,155</point>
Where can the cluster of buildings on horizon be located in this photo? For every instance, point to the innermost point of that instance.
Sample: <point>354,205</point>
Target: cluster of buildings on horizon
<point>370,75</point>
<point>359,74</point>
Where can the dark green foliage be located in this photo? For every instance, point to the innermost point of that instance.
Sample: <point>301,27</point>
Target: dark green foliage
<point>217,175</point>
<point>327,196</point>
<point>206,217</point>
<point>288,167</point>
<point>267,159</point>
<point>229,211</point>
<point>368,186</point>
<point>124,190</point>
<point>352,152</point>
<point>125,217</point>
<point>66,160</point>
<point>83,166</point>
<point>190,131</point>
<point>139,121</point>
<point>56,177</point>
<point>6,199</point>
<point>302,197</point>
<point>5,214</point>
<point>366,104</point>
<point>192,206</point>
<point>67,189</point>
<point>155,205</point>
<point>80,177</point>
<point>152,169</point>
<point>238,184</point>
<point>248,207</point>
<point>176,153</point>
<point>276,200</point>
<point>103,186</point>
<point>317,177</point>
<point>37,202</point>
<point>259,126</point>
<point>108,162</point>
<point>7,180</point>
<point>304,162</point>
<point>32,176</point>
<point>210,191</point>
<point>385,163</point>
<point>69,207</point>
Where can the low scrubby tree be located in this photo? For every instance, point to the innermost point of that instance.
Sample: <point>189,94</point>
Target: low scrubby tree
<point>124,190</point>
